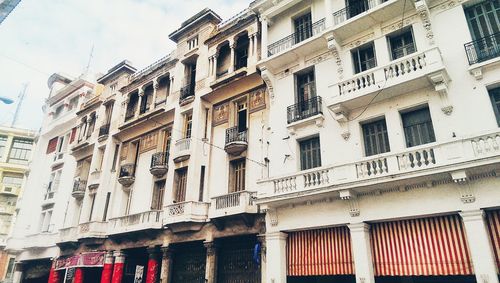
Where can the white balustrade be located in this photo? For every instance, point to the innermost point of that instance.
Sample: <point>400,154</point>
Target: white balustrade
<point>372,167</point>
<point>138,221</point>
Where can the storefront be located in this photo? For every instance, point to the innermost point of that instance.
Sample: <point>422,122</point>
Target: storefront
<point>36,271</point>
<point>85,267</point>
<point>238,260</point>
<point>189,261</point>
<point>321,255</point>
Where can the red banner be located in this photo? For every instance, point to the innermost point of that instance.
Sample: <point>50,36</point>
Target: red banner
<point>91,259</point>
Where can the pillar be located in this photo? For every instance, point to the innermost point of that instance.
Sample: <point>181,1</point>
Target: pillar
<point>156,84</point>
<point>153,271</point>
<point>329,13</point>
<point>480,247</point>
<point>17,277</point>
<point>211,264</point>
<point>361,249</point>
<point>139,102</point>
<point>255,47</point>
<point>276,257</point>
<point>263,40</point>
<point>263,265</point>
<point>107,269</point>
<point>232,45</point>
<point>118,267</point>
<point>54,274</point>
<point>78,275</point>
<point>166,264</point>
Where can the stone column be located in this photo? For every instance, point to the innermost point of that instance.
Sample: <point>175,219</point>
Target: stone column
<point>263,39</point>
<point>250,46</point>
<point>166,264</point>
<point>107,269</point>
<point>256,46</point>
<point>17,277</point>
<point>480,247</point>
<point>78,275</point>
<point>276,257</point>
<point>54,274</point>
<point>139,102</point>
<point>156,84</point>
<point>232,45</point>
<point>118,267</point>
<point>153,271</point>
<point>263,265</point>
<point>361,249</point>
<point>329,13</point>
<point>211,264</point>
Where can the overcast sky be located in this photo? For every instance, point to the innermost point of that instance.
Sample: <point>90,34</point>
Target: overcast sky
<point>41,37</point>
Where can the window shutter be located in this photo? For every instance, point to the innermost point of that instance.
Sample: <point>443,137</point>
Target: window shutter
<point>51,147</point>
<point>73,135</point>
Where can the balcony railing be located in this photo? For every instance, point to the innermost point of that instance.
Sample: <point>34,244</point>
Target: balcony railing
<point>483,49</point>
<point>234,200</point>
<point>127,170</point>
<point>398,164</point>
<point>159,159</point>
<point>289,41</point>
<point>187,93</point>
<point>234,135</point>
<point>304,109</point>
<point>139,221</point>
<point>104,130</point>
<point>79,187</point>
<point>353,10</point>
<point>188,211</point>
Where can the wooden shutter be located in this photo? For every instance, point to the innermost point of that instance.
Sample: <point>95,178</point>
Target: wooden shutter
<point>51,147</point>
<point>73,135</point>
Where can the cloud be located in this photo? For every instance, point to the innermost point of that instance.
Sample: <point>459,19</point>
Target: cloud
<point>41,37</point>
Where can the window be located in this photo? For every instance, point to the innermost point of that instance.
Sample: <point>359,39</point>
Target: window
<point>20,151</point>
<point>113,87</point>
<point>303,27</point>
<point>45,218</point>
<point>418,128</point>
<point>241,51</point>
<point>115,157</point>
<point>181,183</point>
<point>158,192</point>
<point>188,124</point>
<point>73,102</point>
<point>92,204</point>
<point>310,153</point>
<point>375,137</point>
<point>202,183</point>
<point>495,101</point>
<point>484,25</point>
<point>106,207</point>
<point>91,127</point>
<point>364,58</point>
<point>401,43</point>
<point>10,268</point>
<point>237,175</point>
<point>12,180</point>
<point>58,111</point>
<point>131,105</point>
<point>3,143</point>
<point>192,43</point>
<point>356,7</point>
<point>146,99</point>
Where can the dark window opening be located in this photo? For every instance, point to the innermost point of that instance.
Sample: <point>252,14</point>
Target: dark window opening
<point>375,137</point>
<point>310,153</point>
<point>241,51</point>
<point>131,106</point>
<point>401,43</point>
<point>418,127</point>
<point>303,27</point>
<point>181,184</point>
<point>363,58</point>
<point>495,101</point>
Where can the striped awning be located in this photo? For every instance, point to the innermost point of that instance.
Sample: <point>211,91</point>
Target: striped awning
<point>319,252</point>
<point>493,220</point>
<point>427,246</point>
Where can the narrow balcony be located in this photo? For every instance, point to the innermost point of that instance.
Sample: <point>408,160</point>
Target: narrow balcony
<point>41,240</point>
<point>94,181</point>
<point>186,94</point>
<point>297,45</point>
<point>483,49</point>
<point>103,132</point>
<point>236,141</point>
<point>237,203</point>
<point>10,190</point>
<point>410,163</point>
<point>159,164</point>
<point>127,175</point>
<point>68,235</point>
<point>362,15</point>
<point>182,150</point>
<point>186,216</point>
<point>148,220</point>
<point>79,187</point>
<point>406,74</point>
<point>92,230</point>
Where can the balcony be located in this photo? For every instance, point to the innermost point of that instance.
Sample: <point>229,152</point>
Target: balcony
<point>7,209</point>
<point>187,94</point>
<point>103,132</point>
<point>159,164</point>
<point>92,230</point>
<point>236,141</point>
<point>127,175</point>
<point>406,74</point>
<point>233,204</point>
<point>482,52</point>
<point>79,187</point>
<point>94,181</point>
<point>182,150</point>
<point>135,222</point>
<point>186,216</point>
<point>41,240</point>
<point>10,190</point>
<point>68,235</point>
<point>362,15</point>
<point>409,163</point>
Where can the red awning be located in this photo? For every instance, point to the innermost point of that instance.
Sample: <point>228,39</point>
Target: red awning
<point>427,246</point>
<point>90,259</point>
<point>493,220</point>
<point>320,252</point>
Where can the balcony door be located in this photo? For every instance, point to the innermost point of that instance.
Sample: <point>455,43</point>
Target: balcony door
<point>241,116</point>
<point>306,91</point>
<point>484,25</point>
<point>303,27</point>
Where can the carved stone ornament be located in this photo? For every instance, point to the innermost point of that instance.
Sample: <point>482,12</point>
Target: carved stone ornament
<point>257,100</point>
<point>220,114</point>
<point>353,202</point>
<point>266,76</point>
<point>423,11</point>
<point>334,48</point>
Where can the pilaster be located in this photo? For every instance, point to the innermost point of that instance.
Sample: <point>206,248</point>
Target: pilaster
<point>166,264</point>
<point>276,257</point>
<point>361,248</point>
<point>211,263</point>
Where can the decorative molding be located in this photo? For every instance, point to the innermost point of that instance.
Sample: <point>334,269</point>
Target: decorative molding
<point>220,114</point>
<point>397,24</point>
<point>266,77</point>
<point>440,80</point>
<point>466,193</point>
<point>257,100</point>
<point>360,41</point>
<point>288,71</point>
<point>477,73</point>
<point>334,49</point>
<point>351,197</point>
<point>447,109</point>
<point>273,216</point>
<point>346,135</point>
<point>319,58</point>
<point>148,142</point>
<point>424,13</point>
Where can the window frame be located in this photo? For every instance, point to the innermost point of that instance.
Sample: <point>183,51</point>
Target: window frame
<point>431,134</point>
<point>399,34</point>
<point>368,150</point>
<point>314,158</point>
<point>237,175</point>
<point>495,104</point>
<point>356,57</point>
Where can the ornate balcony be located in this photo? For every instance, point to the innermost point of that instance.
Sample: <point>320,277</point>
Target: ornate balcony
<point>127,175</point>
<point>135,222</point>
<point>236,141</point>
<point>408,164</point>
<point>79,187</point>
<point>187,95</point>
<point>295,38</point>
<point>159,164</point>
<point>483,49</point>
<point>400,76</point>
<point>186,216</point>
<point>92,230</point>
<point>182,150</point>
<point>237,203</point>
<point>103,132</point>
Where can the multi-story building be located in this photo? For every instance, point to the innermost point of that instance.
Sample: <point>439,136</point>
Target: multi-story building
<point>44,205</point>
<point>15,154</point>
<point>383,143</point>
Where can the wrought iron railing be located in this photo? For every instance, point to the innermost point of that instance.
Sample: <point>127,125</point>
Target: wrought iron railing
<point>353,9</point>
<point>79,186</point>
<point>289,41</point>
<point>186,92</point>
<point>483,49</point>
<point>127,170</point>
<point>234,135</point>
<point>159,159</point>
<point>304,109</point>
<point>104,130</point>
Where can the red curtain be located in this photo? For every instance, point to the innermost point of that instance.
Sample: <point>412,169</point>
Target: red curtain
<point>51,147</point>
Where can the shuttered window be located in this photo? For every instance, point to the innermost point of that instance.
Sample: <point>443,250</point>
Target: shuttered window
<point>52,145</point>
<point>418,127</point>
<point>310,153</point>
<point>158,192</point>
<point>181,183</point>
<point>375,137</point>
<point>237,178</point>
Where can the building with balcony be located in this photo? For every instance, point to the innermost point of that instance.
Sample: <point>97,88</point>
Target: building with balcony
<point>16,146</point>
<point>375,158</point>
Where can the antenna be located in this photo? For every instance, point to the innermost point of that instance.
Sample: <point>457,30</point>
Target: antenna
<point>90,59</point>
<point>20,98</point>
